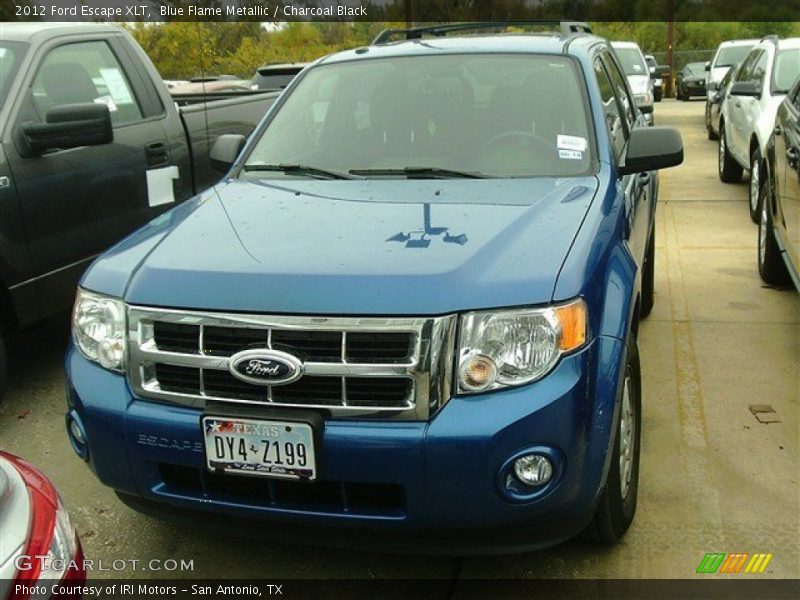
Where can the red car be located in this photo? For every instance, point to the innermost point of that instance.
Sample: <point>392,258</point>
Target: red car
<point>39,546</point>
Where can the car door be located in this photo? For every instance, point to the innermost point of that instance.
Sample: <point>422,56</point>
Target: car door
<point>75,203</point>
<point>636,187</point>
<point>745,108</point>
<point>787,162</point>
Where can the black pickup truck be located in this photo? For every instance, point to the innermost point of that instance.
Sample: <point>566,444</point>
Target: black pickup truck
<point>92,146</point>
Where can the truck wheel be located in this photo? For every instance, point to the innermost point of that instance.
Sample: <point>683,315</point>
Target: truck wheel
<point>649,277</point>
<point>729,170</point>
<point>770,262</point>
<point>3,367</point>
<point>755,185</point>
<point>617,505</point>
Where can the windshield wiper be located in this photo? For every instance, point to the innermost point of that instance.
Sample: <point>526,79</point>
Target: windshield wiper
<point>299,170</point>
<point>419,173</point>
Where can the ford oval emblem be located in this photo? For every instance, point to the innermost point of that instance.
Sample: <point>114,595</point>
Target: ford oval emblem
<point>266,367</point>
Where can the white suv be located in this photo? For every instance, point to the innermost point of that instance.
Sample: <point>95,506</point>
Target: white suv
<point>729,55</point>
<point>638,74</point>
<point>749,109</point>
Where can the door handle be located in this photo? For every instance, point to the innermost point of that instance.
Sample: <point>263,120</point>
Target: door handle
<point>643,179</point>
<point>156,154</point>
<point>778,129</point>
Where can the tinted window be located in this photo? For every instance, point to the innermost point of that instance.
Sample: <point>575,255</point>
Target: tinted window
<point>731,55</point>
<point>759,68</point>
<point>499,115</point>
<point>615,122</point>
<point>85,72</point>
<point>10,57</point>
<point>632,61</point>
<point>273,80</point>
<point>786,69</point>
<point>745,73</point>
<point>621,89</point>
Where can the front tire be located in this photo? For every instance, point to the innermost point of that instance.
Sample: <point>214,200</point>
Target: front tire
<point>617,505</point>
<point>756,185</point>
<point>709,129</point>
<point>729,170</point>
<point>771,267</point>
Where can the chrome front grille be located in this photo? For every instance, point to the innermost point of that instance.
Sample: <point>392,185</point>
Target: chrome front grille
<point>395,368</point>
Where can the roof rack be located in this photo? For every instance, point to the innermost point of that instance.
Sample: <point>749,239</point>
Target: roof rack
<point>416,33</point>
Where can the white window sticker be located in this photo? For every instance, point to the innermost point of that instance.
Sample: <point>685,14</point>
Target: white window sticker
<point>108,101</point>
<point>570,154</point>
<point>571,142</point>
<point>3,52</point>
<point>159,185</point>
<point>116,85</point>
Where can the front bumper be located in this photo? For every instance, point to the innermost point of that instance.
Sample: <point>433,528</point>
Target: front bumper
<point>447,469</point>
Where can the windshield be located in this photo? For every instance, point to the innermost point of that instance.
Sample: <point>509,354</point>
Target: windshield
<point>10,57</point>
<point>695,69</point>
<point>731,55</point>
<point>786,70</point>
<point>436,116</point>
<point>632,61</point>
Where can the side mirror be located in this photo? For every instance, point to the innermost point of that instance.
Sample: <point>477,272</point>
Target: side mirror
<point>225,150</point>
<point>652,148</point>
<point>70,126</point>
<point>708,65</point>
<point>712,86</point>
<point>746,88</point>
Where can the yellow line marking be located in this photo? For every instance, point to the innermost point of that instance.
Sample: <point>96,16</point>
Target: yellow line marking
<point>750,564</point>
<point>767,558</point>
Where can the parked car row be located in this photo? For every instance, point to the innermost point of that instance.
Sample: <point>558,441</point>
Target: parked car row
<point>752,109</point>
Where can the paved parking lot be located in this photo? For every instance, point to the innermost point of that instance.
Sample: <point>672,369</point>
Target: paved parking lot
<point>713,479</point>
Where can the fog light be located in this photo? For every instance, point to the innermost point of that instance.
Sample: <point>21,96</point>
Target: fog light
<point>77,436</point>
<point>533,469</point>
<point>76,433</point>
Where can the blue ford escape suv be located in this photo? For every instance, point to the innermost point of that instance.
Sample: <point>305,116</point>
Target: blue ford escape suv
<point>407,317</point>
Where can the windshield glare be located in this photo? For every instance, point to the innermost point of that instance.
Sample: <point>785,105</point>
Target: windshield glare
<point>632,61</point>
<point>494,115</point>
<point>10,55</point>
<point>696,69</point>
<point>786,69</point>
<point>731,55</point>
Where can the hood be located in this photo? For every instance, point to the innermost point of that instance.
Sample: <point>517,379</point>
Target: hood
<point>640,84</point>
<point>363,247</point>
<point>717,73</point>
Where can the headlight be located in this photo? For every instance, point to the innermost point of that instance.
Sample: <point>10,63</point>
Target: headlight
<point>512,347</point>
<point>98,328</point>
<point>645,99</point>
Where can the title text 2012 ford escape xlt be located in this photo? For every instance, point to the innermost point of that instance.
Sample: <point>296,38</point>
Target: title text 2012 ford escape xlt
<point>409,310</point>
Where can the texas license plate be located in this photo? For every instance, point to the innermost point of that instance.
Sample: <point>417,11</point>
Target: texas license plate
<point>280,449</point>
